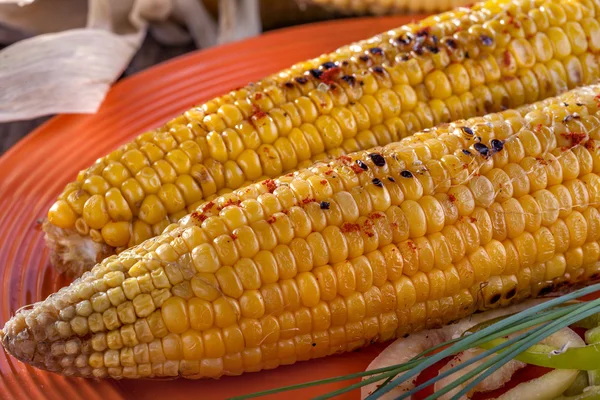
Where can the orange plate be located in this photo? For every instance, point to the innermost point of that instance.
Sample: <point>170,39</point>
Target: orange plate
<point>34,171</point>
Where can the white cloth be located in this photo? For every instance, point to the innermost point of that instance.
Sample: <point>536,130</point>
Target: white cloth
<point>74,51</point>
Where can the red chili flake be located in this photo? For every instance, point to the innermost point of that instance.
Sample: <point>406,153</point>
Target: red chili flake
<point>376,216</point>
<point>230,203</point>
<point>307,200</point>
<point>541,161</point>
<point>412,245</point>
<point>208,206</point>
<point>369,233</point>
<point>538,127</point>
<point>290,175</point>
<point>590,144</point>
<point>424,32</point>
<point>270,184</point>
<point>259,114</point>
<point>575,137</point>
<point>452,197</point>
<point>233,236</point>
<point>473,219</point>
<point>323,182</point>
<point>329,76</point>
<point>199,217</point>
<point>348,227</point>
<point>271,219</point>
<point>258,96</point>
<point>286,212</point>
<point>329,172</point>
<point>507,58</point>
<point>394,225</point>
<point>357,170</point>
<point>514,22</point>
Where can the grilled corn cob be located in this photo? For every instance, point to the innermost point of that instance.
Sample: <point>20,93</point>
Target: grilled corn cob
<point>455,65</point>
<point>380,7</point>
<point>371,246</point>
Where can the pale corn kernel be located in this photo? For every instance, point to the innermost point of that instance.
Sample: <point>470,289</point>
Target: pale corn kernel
<point>143,305</point>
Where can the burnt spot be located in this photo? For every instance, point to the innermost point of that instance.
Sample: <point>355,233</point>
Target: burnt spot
<point>511,293</point>
<point>497,145</point>
<point>423,32</point>
<point>468,130</point>
<point>377,159</point>
<point>406,174</point>
<point>378,69</point>
<point>433,49</point>
<point>404,39</point>
<point>316,73</point>
<point>391,179</point>
<point>482,149</point>
<point>486,40</point>
<point>301,80</point>
<point>435,39</point>
<point>405,57</point>
<point>289,85</point>
<point>328,65</point>
<point>545,290</point>
<point>571,117</point>
<point>349,79</point>
<point>451,44</point>
<point>376,51</point>
<point>324,205</point>
<point>364,58</point>
<point>467,152</point>
<point>405,335</point>
<point>362,165</point>
<point>495,298</point>
<point>314,344</point>
<point>377,182</point>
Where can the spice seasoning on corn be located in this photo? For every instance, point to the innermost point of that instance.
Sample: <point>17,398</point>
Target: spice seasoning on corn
<point>459,64</point>
<point>265,276</point>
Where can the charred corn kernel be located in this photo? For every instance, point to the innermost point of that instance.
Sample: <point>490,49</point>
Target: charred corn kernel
<point>469,62</point>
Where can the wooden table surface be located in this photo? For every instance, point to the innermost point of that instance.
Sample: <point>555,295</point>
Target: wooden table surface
<point>150,53</point>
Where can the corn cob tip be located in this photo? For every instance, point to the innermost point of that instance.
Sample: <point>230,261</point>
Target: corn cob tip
<point>19,341</point>
<point>71,253</point>
<point>38,336</point>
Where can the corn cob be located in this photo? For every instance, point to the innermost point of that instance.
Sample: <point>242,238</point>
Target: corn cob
<point>371,246</point>
<point>455,65</point>
<point>381,7</point>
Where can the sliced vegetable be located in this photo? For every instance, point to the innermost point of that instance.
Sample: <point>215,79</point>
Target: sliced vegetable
<point>589,393</point>
<point>546,387</point>
<point>405,349</point>
<point>495,381</point>
<point>579,385</point>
